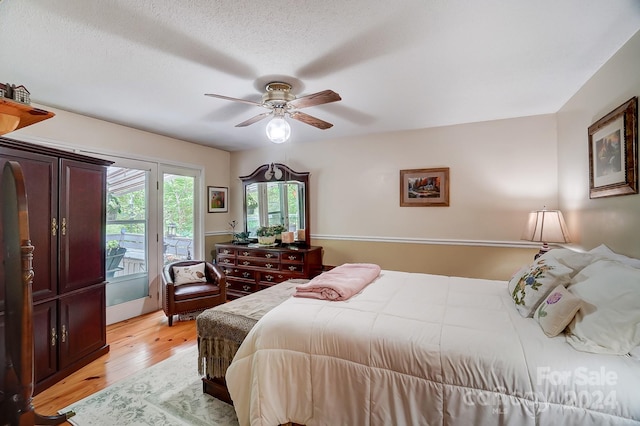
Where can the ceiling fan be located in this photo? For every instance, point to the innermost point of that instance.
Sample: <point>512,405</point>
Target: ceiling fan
<point>280,101</point>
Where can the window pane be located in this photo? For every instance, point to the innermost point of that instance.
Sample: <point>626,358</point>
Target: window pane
<point>178,205</point>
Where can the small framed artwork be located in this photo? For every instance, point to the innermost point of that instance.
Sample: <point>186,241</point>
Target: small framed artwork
<point>218,199</point>
<point>613,152</point>
<point>424,187</point>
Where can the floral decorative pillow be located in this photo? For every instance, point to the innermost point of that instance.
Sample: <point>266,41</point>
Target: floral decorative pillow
<point>189,274</point>
<point>529,286</point>
<point>557,311</point>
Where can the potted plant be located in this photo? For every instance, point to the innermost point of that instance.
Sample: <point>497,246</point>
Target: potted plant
<point>267,234</point>
<point>115,254</point>
<point>113,206</point>
<point>251,204</point>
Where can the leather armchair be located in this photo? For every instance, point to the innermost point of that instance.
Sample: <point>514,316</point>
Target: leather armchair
<point>192,297</point>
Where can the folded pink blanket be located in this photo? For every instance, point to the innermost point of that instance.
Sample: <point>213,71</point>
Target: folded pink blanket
<point>339,283</point>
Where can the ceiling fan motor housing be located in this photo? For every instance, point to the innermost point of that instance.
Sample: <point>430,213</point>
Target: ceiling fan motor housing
<point>277,94</point>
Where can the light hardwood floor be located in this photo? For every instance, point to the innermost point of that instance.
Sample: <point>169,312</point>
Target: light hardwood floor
<point>134,345</point>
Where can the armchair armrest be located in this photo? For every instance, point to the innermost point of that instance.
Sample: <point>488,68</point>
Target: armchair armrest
<point>215,274</point>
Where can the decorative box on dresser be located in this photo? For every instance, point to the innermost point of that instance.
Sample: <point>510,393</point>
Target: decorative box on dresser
<point>249,268</point>
<point>66,195</point>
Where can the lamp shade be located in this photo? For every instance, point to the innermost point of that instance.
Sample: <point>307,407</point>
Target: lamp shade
<point>546,226</point>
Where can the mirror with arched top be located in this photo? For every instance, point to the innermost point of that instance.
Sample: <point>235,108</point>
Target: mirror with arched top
<point>274,194</point>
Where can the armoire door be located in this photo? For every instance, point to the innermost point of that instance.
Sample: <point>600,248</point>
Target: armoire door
<point>81,225</point>
<point>41,182</point>
<point>83,325</point>
<point>45,340</point>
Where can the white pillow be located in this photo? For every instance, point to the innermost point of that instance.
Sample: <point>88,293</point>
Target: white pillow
<point>572,259</point>
<point>189,274</point>
<point>605,251</point>
<point>531,284</point>
<point>609,319</point>
<point>556,311</point>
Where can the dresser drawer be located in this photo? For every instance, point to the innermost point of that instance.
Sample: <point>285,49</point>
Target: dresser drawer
<point>258,263</point>
<point>225,251</point>
<point>270,278</point>
<point>226,261</point>
<point>292,267</point>
<point>259,254</point>
<point>239,273</point>
<point>292,257</point>
<point>239,286</point>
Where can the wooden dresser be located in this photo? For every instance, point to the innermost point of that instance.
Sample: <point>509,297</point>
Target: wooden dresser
<point>250,268</point>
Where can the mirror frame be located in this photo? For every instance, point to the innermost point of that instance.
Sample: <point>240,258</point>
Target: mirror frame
<point>261,175</point>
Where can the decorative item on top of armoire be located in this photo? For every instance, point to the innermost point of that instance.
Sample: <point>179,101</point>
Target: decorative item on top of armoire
<point>613,152</point>
<point>546,226</point>
<point>17,354</point>
<point>424,187</point>
<point>15,109</point>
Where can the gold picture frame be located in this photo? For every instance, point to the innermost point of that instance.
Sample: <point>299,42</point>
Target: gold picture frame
<point>613,152</point>
<point>424,187</point>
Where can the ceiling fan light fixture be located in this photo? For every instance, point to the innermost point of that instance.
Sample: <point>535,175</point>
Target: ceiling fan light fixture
<point>278,130</point>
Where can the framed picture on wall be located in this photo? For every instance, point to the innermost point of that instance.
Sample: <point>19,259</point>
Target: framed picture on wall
<point>424,187</point>
<point>613,152</point>
<point>218,199</point>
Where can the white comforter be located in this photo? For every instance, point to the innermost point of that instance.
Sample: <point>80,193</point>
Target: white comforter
<point>417,349</point>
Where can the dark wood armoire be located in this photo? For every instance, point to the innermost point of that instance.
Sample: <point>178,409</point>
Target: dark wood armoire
<point>66,197</point>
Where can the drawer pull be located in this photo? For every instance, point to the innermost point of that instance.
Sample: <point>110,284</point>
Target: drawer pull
<point>245,253</point>
<point>246,263</point>
<point>225,251</point>
<point>228,284</point>
<point>246,274</point>
<point>292,268</point>
<point>269,277</point>
<point>54,336</point>
<point>268,255</point>
<point>64,333</point>
<point>292,257</point>
<point>269,266</point>
<point>246,287</point>
<point>226,261</point>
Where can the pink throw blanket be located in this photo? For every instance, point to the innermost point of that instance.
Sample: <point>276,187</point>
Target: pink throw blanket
<point>339,283</point>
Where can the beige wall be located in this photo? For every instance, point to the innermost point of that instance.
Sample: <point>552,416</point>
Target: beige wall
<point>614,221</point>
<point>499,171</point>
<point>68,130</point>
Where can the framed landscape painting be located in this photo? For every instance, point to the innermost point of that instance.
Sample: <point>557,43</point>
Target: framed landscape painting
<point>218,199</point>
<point>613,152</point>
<point>424,187</point>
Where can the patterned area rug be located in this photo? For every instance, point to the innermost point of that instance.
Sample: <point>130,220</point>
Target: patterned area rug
<point>168,393</point>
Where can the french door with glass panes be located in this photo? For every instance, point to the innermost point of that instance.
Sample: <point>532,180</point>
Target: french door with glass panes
<point>145,230</point>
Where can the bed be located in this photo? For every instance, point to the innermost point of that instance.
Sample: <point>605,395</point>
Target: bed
<point>222,329</point>
<point>425,349</point>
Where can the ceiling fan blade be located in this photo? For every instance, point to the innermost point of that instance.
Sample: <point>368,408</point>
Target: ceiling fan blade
<point>308,119</point>
<point>213,95</point>
<point>254,119</point>
<point>324,97</point>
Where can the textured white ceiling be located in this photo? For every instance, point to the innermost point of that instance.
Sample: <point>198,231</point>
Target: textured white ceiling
<point>403,64</point>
